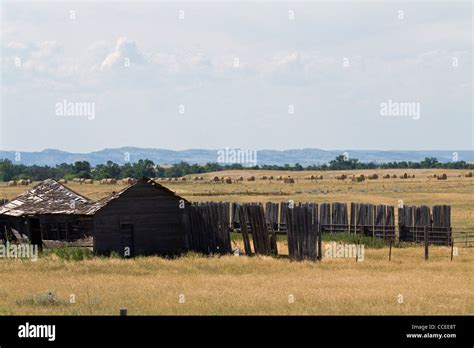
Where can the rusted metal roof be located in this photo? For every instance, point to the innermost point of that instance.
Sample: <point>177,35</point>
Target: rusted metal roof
<point>48,197</point>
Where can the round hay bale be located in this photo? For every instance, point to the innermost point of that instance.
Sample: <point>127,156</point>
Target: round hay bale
<point>442,177</point>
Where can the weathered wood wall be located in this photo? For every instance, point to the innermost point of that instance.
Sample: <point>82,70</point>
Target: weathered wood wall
<point>151,215</point>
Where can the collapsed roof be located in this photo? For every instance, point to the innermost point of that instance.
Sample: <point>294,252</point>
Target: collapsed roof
<point>48,197</point>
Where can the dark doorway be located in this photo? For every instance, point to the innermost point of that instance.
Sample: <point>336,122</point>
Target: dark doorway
<point>35,233</point>
<point>127,240</point>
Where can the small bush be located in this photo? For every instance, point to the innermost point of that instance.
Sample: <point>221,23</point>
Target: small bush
<point>115,255</point>
<point>48,298</point>
<point>71,253</point>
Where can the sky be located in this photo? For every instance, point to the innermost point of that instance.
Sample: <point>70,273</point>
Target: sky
<point>86,76</point>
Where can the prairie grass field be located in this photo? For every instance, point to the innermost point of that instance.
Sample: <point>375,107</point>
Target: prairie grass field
<point>241,285</point>
<point>231,285</point>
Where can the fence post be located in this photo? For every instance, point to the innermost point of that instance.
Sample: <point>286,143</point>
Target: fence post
<point>390,251</point>
<point>452,249</point>
<point>320,242</point>
<point>358,250</point>
<point>426,242</point>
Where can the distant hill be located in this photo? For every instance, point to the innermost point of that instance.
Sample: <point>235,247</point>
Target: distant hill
<point>304,157</point>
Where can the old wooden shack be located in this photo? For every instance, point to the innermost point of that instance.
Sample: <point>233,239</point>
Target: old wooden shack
<point>145,218</point>
<point>49,211</point>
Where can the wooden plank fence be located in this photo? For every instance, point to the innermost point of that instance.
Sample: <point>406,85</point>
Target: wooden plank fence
<point>412,221</point>
<point>373,220</point>
<point>209,225</point>
<point>303,229</point>
<point>333,217</point>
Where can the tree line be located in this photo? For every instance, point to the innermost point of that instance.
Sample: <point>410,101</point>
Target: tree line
<point>83,169</point>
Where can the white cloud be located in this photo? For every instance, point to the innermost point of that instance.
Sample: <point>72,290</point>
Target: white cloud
<point>124,50</point>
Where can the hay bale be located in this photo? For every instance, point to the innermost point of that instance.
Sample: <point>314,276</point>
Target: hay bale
<point>12,183</point>
<point>468,175</point>
<point>373,176</point>
<point>251,178</point>
<point>442,177</point>
<point>358,178</point>
<point>128,181</point>
<point>289,180</point>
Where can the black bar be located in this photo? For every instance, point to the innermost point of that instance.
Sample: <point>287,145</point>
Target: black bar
<point>136,330</point>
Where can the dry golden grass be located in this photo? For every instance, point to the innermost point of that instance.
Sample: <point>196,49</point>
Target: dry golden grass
<point>245,285</point>
<point>423,189</point>
<point>262,285</point>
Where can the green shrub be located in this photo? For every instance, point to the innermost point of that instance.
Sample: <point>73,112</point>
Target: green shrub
<point>71,253</point>
<point>351,238</point>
